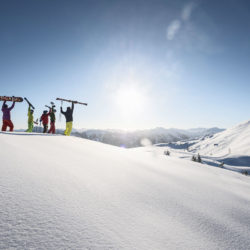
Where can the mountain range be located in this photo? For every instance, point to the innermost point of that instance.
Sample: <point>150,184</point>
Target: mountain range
<point>131,139</point>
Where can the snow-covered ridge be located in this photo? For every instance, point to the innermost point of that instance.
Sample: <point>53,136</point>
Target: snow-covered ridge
<point>230,148</point>
<point>231,142</point>
<point>69,193</point>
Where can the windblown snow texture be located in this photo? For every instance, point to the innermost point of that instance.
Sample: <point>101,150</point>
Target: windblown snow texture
<point>68,193</point>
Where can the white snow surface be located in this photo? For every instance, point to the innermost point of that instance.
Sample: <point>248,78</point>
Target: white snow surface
<point>233,141</point>
<point>69,193</point>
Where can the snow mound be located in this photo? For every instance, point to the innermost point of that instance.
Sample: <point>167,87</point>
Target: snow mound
<point>68,193</point>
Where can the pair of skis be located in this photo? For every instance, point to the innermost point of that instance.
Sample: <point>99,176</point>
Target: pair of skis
<point>52,106</point>
<point>76,102</point>
<point>29,103</point>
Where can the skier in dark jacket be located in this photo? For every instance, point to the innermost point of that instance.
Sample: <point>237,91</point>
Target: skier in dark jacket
<point>45,120</point>
<point>6,116</point>
<point>52,121</point>
<point>69,119</point>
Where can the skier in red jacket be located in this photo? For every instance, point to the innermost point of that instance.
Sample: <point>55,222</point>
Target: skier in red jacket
<point>45,120</point>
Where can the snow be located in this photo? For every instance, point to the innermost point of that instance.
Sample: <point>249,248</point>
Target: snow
<point>231,146</point>
<point>229,149</point>
<point>69,193</point>
<point>235,140</point>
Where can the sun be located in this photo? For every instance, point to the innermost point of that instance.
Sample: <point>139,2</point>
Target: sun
<point>130,100</point>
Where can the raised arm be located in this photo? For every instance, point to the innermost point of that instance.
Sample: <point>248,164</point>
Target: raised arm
<point>72,107</point>
<point>3,105</point>
<point>62,111</point>
<point>12,106</point>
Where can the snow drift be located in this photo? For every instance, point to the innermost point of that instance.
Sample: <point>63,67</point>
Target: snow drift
<point>68,193</point>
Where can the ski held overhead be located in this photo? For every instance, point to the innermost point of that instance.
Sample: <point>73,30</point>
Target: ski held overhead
<point>29,103</point>
<point>11,99</point>
<point>75,102</point>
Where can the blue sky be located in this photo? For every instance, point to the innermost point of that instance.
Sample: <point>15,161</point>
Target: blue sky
<point>139,64</point>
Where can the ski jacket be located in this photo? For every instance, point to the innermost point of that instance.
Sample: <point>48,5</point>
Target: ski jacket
<point>30,116</point>
<point>68,113</point>
<point>6,111</point>
<point>45,119</point>
<point>52,116</point>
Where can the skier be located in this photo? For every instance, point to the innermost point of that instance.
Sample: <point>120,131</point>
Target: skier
<point>6,116</point>
<point>30,120</point>
<point>52,120</point>
<point>45,120</point>
<point>69,119</point>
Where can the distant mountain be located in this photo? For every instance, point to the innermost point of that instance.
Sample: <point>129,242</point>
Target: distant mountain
<point>229,143</point>
<point>204,131</point>
<point>134,138</point>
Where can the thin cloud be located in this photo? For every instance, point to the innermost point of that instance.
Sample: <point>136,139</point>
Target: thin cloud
<point>187,11</point>
<point>175,26</point>
<point>173,29</point>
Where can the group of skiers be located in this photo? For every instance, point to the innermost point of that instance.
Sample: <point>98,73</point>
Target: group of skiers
<point>44,119</point>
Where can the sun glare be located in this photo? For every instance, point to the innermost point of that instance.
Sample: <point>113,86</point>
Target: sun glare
<point>130,100</point>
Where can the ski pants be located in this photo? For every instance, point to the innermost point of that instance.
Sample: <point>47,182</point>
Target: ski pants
<point>52,128</point>
<point>45,128</point>
<point>7,123</point>
<point>68,128</point>
<point>30,127</point>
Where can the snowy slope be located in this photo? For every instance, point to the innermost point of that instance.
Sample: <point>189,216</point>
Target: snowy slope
<point>68,193</point>
<point>233,141</point>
